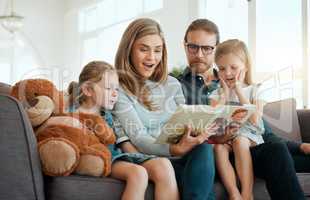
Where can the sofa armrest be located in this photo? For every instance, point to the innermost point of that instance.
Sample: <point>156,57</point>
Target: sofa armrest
<point>20,169</point>
<point>304,124</point>
<point>5,88</point>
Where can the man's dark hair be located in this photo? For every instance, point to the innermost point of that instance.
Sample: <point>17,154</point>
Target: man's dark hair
<point>205,25</point>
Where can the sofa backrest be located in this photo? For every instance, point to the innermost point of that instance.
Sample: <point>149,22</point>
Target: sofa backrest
<point>5,88</point>
<point>20,170</point>
<point>282,118</point>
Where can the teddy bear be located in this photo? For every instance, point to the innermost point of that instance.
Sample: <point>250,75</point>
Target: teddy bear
<point>67,142</point>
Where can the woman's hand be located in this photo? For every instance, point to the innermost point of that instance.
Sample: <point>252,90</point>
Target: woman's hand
<point>189,141</point>
<point>230,133</point>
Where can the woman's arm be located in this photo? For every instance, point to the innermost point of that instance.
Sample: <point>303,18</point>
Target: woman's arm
<point>136,131</point>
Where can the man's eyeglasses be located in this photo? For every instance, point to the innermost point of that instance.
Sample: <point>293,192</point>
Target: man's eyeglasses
<point>194,48</point>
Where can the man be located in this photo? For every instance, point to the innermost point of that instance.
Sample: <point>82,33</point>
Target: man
<point>271,161</point>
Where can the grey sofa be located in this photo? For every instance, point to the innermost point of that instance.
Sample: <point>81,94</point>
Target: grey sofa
<point>20,170</point>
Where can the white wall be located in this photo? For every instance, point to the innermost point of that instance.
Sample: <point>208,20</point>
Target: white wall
<point>43,28</point>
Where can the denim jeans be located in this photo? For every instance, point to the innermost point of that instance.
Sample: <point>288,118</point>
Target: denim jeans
<point>195,173</point>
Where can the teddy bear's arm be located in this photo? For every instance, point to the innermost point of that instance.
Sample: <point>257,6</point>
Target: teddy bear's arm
<point>96,124</point>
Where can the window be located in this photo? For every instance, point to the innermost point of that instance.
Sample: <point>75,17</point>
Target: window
<point>109,39</point>
<point>278,35</point>
<point>127,9</point>
<point>18,59</point>
<point>151,5</point>
<point>104,45</point>
<point>275,39</point>
<point>102,25</point>
<point>279,46</point>
<point>231,16</point>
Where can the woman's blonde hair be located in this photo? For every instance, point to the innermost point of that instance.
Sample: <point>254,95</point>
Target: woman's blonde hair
<point>239,49</point>
<point>130,80</point>
<point>92,72</point>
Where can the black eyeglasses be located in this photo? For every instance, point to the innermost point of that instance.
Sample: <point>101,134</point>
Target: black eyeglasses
<point>194,48</point>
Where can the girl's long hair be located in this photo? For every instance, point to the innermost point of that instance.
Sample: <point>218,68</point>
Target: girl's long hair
<point>239,49</point>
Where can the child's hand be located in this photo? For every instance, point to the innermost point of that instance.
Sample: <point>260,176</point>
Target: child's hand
<point>239,80</point>
<point>234,83</point>
<point>225,88</point>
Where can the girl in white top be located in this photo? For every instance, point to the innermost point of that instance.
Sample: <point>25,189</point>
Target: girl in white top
<point>233,61</point>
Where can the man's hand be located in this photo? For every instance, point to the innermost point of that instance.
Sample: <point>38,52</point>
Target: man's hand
<point>305,148</point>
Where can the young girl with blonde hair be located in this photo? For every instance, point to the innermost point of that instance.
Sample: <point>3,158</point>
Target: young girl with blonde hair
<point>233,61</point>
<point>97,92</point>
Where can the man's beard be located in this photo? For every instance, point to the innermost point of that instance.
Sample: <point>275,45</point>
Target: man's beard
<point>199,66</point>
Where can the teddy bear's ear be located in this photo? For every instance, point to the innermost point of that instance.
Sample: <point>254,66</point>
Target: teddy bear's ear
<point>27,90</point>
<point>41,111</point>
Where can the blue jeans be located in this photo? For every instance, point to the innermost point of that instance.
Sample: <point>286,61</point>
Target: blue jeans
<point>195,173</point>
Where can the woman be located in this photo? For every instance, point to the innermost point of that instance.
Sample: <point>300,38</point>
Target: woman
<point>147,98</point>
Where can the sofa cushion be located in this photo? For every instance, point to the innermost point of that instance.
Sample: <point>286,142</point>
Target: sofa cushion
<point>304,119</point>
<point>282,118</point>
<point>259,189</point>
<point>304,180</point>
<point>20,170</point>
<point>85,187</point>
<point>5,88</point>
